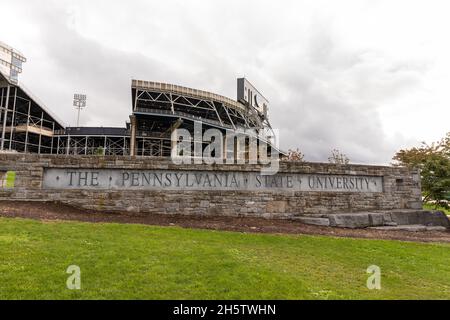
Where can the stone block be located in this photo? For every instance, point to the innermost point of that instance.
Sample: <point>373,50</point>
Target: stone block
<point>411,228</point>
<point>204,204</point>
<point>404,217</point>
<point>387,218</point>
<point>437,228</point>
<point>420,217</point>
<point>324,222</point>
<point>376,219</point>
<point>276,206</point>
<point>350,220</point>
<point>435,218</point>
<point>415,205</point>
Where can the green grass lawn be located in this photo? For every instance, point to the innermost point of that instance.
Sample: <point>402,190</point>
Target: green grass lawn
<point>144,262</point>
<point>427,206</point>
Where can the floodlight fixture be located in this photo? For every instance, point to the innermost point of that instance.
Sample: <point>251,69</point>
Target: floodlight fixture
<point>79,102</point>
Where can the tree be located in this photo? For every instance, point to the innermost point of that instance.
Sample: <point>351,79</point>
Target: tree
<point>436,179</point>
<point>433,160</point>
<point>415,157</point>
<point>338,158</point>
<point>99,151</point>
<point>295,155</point>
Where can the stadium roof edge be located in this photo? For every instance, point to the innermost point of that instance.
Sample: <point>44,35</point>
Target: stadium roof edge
<point>4,45</point>
<point>35,99</point>
<point>143,84</point>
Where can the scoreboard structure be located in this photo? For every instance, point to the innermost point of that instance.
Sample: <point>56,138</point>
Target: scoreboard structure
<point>248,95</point>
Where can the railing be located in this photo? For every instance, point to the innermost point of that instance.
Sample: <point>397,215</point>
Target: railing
<point>184,114</point>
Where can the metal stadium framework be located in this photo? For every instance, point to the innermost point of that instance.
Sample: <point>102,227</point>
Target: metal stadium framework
<point>157,110</point>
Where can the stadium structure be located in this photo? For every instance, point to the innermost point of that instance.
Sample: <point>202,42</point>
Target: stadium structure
<point>158,109</point>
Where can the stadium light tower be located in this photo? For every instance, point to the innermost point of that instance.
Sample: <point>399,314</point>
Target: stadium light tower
<point>79,102</point>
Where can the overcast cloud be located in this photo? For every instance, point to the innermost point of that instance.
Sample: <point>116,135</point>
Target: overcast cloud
<point>367,77</point>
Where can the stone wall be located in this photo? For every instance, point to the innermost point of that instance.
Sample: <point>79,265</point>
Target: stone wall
<point>401,188</point>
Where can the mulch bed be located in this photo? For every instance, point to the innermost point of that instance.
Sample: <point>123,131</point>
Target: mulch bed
<point>57,211</point>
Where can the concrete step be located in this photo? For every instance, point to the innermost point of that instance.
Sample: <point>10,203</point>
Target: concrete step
<point>410,227</point>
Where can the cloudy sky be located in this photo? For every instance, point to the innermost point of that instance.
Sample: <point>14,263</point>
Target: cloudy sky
<point>367,77</point>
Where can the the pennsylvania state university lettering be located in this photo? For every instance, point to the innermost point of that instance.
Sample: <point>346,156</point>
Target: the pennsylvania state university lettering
<point>106,179</point>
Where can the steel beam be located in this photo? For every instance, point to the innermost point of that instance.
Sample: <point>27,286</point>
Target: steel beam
<point>133,124</point>
<point>40,133</point>
<point>2,144</point>
<point>28,124</point>
<point>13,118</point>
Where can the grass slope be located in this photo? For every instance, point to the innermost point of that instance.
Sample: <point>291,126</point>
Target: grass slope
<point>142,262</point>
